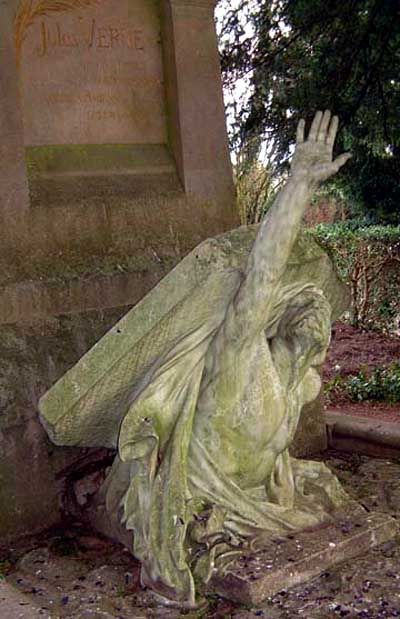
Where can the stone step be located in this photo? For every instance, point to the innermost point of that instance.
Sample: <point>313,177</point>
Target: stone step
<point>284,562</point>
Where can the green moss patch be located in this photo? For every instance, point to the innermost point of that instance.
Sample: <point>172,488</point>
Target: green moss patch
<point>91,158</point>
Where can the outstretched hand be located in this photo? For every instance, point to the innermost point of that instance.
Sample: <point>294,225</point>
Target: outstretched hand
<point>312,159</point>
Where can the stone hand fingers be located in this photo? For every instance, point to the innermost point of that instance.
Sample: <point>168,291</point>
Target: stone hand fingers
<point>323,129</point>
<point>312,136</point>
<point>332,131</point>
<point>313,155</point>
<point>300,131</point>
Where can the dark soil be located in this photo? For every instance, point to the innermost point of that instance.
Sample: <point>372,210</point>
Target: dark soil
<point>353,350</point>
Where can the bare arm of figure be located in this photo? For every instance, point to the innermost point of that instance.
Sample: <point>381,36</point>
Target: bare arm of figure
<point>312,164</point>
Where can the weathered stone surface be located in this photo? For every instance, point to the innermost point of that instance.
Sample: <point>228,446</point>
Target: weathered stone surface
<point>14,200</point>
<point>114,100</point>
<point>28,489</point>
<point>354,434</point>
<point>103,71</point>
<point>33,357</point>
<point>311,435</point>
<point>194,98</point>
<point>374,430</point>
<point>63,293</point>
<point>288,561</point>
<point>360,446</point>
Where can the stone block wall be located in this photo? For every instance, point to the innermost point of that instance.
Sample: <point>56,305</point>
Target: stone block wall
<point>33,357</point>
<point>46,325</point>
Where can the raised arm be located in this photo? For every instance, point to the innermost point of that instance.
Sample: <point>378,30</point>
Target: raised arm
<point>312,164</point>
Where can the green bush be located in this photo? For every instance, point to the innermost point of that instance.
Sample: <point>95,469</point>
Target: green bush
<point>334,389</point>
<point>368,259</point>
<point>381,384</point>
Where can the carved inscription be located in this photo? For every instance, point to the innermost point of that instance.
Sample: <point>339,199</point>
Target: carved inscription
<point>54,36</point>
<point>94,76</point>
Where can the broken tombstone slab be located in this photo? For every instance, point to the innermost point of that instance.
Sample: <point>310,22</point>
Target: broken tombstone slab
<point>281,563</point>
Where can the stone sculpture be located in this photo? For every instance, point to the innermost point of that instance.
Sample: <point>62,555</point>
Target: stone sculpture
<point>202,397</point>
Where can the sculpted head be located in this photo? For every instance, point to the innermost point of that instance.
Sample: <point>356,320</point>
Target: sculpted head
<point>306,325</point>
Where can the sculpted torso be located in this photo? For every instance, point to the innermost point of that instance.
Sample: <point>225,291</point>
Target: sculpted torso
<point>246,416</point>
<point>244,433</point>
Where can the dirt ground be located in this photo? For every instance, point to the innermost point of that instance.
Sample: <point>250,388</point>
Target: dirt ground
<point>352,350</point>
<point>72,573</point>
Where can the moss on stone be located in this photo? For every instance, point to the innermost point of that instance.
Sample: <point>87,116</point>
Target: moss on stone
<point>34,357</point>
<point>73,265</point>
<point>67,158</point>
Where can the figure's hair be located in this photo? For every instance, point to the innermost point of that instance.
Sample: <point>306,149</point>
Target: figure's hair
<point>292,301</point>
<point>301,329</point>
<point>312,302</point>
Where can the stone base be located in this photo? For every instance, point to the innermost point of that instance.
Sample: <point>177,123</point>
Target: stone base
<point>288,561</point>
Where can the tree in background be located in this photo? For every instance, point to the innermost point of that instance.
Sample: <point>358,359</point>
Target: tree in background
<point>302,55</point>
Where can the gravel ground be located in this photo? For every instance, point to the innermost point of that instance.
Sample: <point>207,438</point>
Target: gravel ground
<point>71,572</point>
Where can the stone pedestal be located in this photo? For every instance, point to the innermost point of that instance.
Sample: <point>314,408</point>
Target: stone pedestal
<point>194,97</point>
<point>122,119</point>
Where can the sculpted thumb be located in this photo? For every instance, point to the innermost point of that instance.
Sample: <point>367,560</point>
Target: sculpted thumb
<point>341,160</point>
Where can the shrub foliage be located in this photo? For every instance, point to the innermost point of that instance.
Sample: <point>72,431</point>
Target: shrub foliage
<point>379,384</point>
<point>368,259</point>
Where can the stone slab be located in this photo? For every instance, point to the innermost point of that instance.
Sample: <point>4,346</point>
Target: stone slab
<point>30,301</point>
<point>14,196</point>
<point>288,561</point>
<point>359,446</point>
<point>32,471</point>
